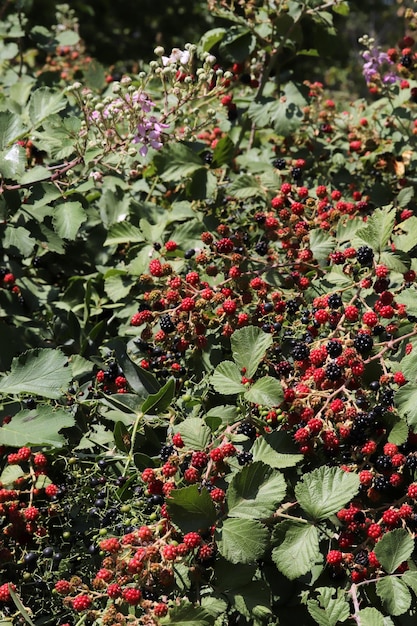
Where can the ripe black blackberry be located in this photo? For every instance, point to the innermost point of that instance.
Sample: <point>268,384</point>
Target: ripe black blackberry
<point>365,256</point>
<point>411,461</point>
<point>361,558</point>
<point>335,301</point>
<point>166,452</point>
<point>363,343</point>
<point>244,458</point>
<point>261,248</point>
<point>247,429</point>
<point>334,348</point>
<point>189,253</point>
<point>292,306</point>
<point>166,324</point>
<point>300,351</point>
<point>280,164</point>
<point>386,397</point>
<point>406,60</point>
<point>381,483</point>
<point>284,368</point>
<point>383,463</point>
<point>297,173</point>
<point>333,371</point>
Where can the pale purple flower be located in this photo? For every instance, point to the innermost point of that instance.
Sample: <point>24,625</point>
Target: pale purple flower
<point>149,132</point>
<point>176,56</point>
<point>376,67</point>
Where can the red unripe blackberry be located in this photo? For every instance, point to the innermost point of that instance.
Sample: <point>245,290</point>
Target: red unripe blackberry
<point>351,313</point>
<point>217,495</point>
<point>374,531</point>
<point>111,545</point>
<point>224,246</point>
<point>81,602</point>
<point>155,268</point>
<point>334,557</point>
<point>229,307</point>
<point>412,491</point>
<point>31,513</point>
<point>62,587</point>
<point>192,540</point>
<point>114,591</point>
<point>191,475</point>
<point>177,440</point>
<point>370,318</point>
<point>199,460</point>
<point>170,246</point>
<point>187,304</point>
<point>132,596</point>
<point>169,552</point>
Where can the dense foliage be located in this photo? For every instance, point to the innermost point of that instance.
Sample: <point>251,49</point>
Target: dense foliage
<point>208,324</point>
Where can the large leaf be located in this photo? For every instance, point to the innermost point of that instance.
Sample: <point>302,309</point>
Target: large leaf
<point>298,548</point>
<point>37,427</point>
<point>191,509</point>
<point>378,228</point>
<point>262,451</point>
<point>67,219</point>
<point>44,372</point>
<point>45,102</point>
<point>394,594</point>
<point>325,490</point>
<point>249,346</point>
<point>321,244</point>
<point>194,433</point>
<point>227,378</point>
<point>11,128</point>
<point>160,401</point>
<point>242,540</point>
<point>406,403</point>
<point>18,240</point>
<point>394,548</point>
<point>187,614</point>
<point>123,232</point>
<point>176,162</point>
<point>327,610</point>
<point>13,162</point>
<point>267,391</point>
<point>255,491</point>
<point>371,617</point>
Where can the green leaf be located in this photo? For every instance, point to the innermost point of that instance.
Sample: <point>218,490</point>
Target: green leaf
<point>42,372</point>
<point>262,451</point>
<point>410,579</point>
<point>13,162</point>
<point>237,44</point>
<point>378,228</point>
<point>325,490</point>
<point>371,617</point>
<point>160,401</point>
<point>255,491</point>
<point>253,601</point>
<point>406,403</point>
<point>298,548</point>
<point>405,196</point>
<point>394,594</point>
<point>122,437</point>
<point>117,284</point>
<point>245,186</point>
<point>398,433</point>
<point>249,346</point>
<point>223,152</point>
<point>94,75</point>
<point>187,614</point>
<point>409,298</point>
<point>10,474</point>
<point>210,38</point>
<point>176,162</point>
<point>18,240</point>
<point>393,548</point>
<point>407,240</point>
<point>328,611</point>
<point>67,219</point>
<point>11,129</point>
<point>267,391</point>
<point>227,378</point>
<point>123,232</point>
<point>191,509</point>
<point>36,174</point>
<point>321,244</point>
<point>20,607</point>
<point>242,540</point>
<point>37,427</point>
<point>194,433</point>
<point>44,102</point>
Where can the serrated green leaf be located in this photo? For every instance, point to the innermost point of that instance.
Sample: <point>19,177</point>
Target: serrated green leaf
<point>378,228</point>
<point>223,152</point>
<point>10,474</point>
<point>42,372</point>
<point>245,186</point>
<point>328,611</point>
<point>262,451</point>
<point>409,298</point>
<point>371,617</point>
<point>194,433</point>
<point>266,391</point>
<point>249,346</point>
<point>18,240</point>
<point>253,601</point>
<point>255,491</point>
<point>176,162</point>
<point>160,401</point>
<point>40,427</point>
<point>393,548</point>
<point>398,433</point>
<point>394,594</point>
<point>407,240</point>
<point>44,102</point>
<point>237,44</point>
<point>242,540</point>
<point>67,219</point>
<point>11,129</point>
<point>298,548</point>
<point>405,196</point>
<point>13,162</point>
<point>123,232</point>
<point>397,261</point>
<point>121,436</point>
<point>35,174</point>
<point>210,38</point>
<point>406,403</point>
<point>410,579</point>
<point>321,244</point>
<point>117,284</point>
<point>191,509</point>
<point>325,490</point>
<point>227,378</point>
<point>187,614</point>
